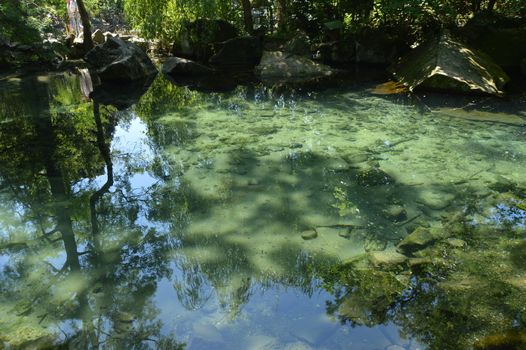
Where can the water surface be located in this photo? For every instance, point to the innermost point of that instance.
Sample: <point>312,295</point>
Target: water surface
<point>254,219</point>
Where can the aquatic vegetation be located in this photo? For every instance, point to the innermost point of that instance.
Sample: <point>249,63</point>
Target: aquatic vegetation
<point>343,204</point>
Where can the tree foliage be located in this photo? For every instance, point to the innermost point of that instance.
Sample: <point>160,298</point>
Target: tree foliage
<point>162,18</point>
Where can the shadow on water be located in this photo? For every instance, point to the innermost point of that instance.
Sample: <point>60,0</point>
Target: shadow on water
<point>234,195</point>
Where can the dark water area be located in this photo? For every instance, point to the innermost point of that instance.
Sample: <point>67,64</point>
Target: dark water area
<point>260,218</point>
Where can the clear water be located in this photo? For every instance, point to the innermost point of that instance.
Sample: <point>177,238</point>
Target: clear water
<point>249,219</point>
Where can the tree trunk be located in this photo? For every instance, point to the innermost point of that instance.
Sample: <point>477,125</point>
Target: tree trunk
<point>247,16</point>
<point>475,6</point>
<point>84,17</point>
<point>282,17</point>
<point>491,5</point>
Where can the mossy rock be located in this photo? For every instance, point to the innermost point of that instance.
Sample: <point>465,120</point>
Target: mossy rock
<point>387,259</point>
<point>395,213</point>
<point>446,64</point>
<point>373,176</point>
<point>419,239</point>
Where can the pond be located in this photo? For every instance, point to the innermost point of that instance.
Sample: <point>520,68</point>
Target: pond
<point>260,218</point>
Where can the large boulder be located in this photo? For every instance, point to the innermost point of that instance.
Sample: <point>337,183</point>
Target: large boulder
<point>277,65</point>
<point>446,64</point>
<point>117,60</point>
<point>181,67</point>
<point>417,240</point>
<point>243,52</point>
<point>195,38</point>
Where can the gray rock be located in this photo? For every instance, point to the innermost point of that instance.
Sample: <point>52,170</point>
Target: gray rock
<point>181,67</point>
<point>119,61</point>
<point>277,65</point>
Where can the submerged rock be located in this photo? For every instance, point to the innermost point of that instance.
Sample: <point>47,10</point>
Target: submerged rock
<point>373,176</point>
<point>419,239</point>
<point>434,199</point>
<point>395,213</point>
<point>446,64</point>
<point>277,65</point>
<point>117,60</point>
<point>386,258</point>
<point>309,234</point>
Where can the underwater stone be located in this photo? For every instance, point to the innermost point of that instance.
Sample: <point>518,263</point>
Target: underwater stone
<point>337,164</point>
<point>417,240</point>
<point>373,176</point>
<point>435,200</point>
<point>386,258</point>
<point>395,213</point>
<point>309,234</point>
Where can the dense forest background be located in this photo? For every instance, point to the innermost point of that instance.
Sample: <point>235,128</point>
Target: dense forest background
<point>31,20</point>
